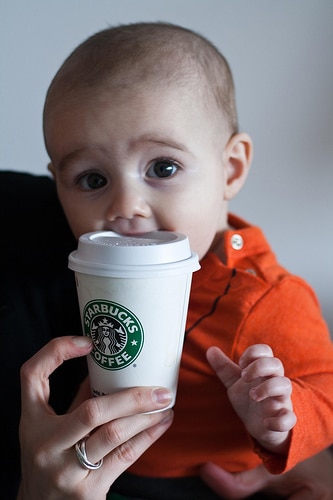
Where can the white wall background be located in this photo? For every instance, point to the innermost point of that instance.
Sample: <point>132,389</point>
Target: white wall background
<point>281,54</point>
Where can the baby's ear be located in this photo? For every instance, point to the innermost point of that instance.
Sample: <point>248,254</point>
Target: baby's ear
<point>51,169</point>
<point>237,157</point>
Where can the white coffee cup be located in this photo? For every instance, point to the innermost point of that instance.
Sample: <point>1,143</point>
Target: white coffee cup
<point>133,294</point>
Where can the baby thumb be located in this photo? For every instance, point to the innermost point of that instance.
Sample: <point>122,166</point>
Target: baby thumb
<point>226,370</point>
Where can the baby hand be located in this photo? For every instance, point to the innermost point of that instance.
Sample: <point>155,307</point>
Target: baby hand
<point>259,393</point>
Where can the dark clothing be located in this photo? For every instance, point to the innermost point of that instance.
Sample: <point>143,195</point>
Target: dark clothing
<point>37,301</point>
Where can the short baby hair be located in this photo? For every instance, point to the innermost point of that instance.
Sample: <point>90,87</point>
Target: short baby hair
<point>134,54</point>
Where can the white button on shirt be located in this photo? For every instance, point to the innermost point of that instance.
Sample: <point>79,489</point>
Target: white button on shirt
<point>237,242</point>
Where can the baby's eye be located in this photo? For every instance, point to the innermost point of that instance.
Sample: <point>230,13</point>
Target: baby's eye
<point>162,169</point>
<point>92,181</point>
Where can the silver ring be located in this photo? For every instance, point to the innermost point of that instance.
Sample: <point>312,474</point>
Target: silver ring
<point>80,449</point>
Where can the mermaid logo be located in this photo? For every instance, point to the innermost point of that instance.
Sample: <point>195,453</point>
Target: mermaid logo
<point>116,332</point>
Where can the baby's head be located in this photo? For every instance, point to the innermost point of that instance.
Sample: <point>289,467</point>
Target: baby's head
<point>158,54</point>
<point>141,127</point>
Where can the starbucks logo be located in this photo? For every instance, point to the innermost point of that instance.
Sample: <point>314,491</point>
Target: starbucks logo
<point>116,332</point>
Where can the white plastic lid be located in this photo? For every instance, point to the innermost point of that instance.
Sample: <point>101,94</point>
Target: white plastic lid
<point>105,253</point>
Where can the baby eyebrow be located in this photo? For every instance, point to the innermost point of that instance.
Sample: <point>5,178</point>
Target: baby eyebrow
<point>161,141</point>
<point>73,156</point>
<point>67,160</point>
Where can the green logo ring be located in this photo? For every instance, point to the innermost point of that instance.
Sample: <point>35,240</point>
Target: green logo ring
<point>116,332</point>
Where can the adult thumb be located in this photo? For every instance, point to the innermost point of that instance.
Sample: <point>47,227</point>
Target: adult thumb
<point>233,485</point>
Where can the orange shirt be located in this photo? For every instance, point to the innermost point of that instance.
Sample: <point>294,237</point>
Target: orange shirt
<point>250,300</point>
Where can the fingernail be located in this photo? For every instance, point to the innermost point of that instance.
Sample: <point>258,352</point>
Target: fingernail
<point>253,394</point>
<point>162,396</point>
<point>168,417</point>
<point>83,342</point>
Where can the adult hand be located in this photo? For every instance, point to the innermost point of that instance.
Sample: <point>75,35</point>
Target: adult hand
<point>309,480</point>
<point>119,430</point>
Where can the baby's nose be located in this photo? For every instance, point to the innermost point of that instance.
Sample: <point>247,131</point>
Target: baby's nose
<point>127,203</point>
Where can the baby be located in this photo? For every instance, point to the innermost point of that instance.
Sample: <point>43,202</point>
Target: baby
<point>140,125</point>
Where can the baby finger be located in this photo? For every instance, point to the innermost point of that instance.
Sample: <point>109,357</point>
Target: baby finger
<point>275,387</point>
<point>284,421</point>
<point>254,352</point>
<point>263,367</point>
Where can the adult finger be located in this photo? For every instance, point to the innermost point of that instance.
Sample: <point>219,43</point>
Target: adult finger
<point>36,371</point>
<point>128,452</point>
<point>95,412</point>
<point>234,486</point>
<point>307,494</point>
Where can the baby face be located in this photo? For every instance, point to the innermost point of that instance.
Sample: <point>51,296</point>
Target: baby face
<point>139,161</point>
